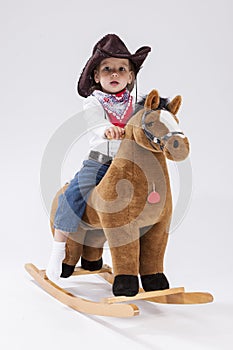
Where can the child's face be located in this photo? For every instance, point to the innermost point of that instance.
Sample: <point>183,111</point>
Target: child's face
<point>113,74</point>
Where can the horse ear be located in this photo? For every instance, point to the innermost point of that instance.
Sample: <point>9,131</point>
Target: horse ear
<point>174,105</point>
<point>152,100</point>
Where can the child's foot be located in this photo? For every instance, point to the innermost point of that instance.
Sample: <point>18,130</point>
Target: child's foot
<point>54,268</point>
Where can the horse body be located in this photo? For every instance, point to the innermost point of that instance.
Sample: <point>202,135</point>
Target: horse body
<point>119,208</point>
<point>121,196</point>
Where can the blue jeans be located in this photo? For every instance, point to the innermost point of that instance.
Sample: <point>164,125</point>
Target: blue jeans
<point>72,203</point>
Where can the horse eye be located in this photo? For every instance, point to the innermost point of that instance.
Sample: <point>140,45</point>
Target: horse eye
<point>149,124</point>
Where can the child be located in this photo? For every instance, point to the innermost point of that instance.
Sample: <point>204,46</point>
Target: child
<point>106,82</point>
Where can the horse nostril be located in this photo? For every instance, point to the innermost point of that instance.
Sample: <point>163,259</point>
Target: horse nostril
<point>176,144</point>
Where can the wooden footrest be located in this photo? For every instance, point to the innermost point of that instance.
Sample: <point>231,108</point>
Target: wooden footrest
<point>143,295</point>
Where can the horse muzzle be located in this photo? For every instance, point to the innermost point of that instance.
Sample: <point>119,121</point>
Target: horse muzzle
<point>177,148</point>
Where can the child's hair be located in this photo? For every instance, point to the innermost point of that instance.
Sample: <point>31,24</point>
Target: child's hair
<point>97,86</point>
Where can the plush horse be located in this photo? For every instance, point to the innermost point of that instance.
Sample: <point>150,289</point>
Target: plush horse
<point>131,207</point>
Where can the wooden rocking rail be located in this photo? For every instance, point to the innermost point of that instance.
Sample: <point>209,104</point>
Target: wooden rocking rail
<point>113,306</point>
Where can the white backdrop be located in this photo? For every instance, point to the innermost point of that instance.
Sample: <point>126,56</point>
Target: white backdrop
<point>44,46</point>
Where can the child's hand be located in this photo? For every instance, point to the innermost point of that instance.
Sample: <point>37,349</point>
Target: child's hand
<point>114,132</point>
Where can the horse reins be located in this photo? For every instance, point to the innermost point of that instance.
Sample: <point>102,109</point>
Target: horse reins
<point>158,140</point>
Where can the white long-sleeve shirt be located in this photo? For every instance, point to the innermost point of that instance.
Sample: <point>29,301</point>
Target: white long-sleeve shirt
<point>97,121</point>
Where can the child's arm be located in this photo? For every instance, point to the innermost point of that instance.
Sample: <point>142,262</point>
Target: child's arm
<point>93,114</point>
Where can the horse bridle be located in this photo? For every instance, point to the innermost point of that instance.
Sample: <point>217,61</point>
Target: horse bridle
<point>161,141</point>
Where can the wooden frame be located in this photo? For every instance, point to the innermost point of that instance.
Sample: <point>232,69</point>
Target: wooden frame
<point>113,306</point>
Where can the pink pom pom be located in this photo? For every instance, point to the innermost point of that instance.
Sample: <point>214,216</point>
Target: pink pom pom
<point>153,197</point>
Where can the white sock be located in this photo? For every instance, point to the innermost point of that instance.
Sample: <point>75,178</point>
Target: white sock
<point>54,267</point>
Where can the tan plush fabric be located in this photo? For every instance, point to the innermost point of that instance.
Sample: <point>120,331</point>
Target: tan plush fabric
<point>119,203</point>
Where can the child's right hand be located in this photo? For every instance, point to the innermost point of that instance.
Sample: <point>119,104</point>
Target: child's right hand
<point>114,133</point>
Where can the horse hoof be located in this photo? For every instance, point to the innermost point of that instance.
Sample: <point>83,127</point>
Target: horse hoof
<point>91,265</point>
<point>157,281</point>
<point>126,285</point>
<point>67,270</point>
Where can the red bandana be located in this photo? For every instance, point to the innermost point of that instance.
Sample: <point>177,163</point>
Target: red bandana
<point>118,106</point>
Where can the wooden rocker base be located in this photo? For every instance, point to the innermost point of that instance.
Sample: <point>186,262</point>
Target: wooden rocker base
<point>113,306</point>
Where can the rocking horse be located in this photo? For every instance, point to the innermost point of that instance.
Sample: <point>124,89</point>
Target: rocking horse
<point>131,208</point>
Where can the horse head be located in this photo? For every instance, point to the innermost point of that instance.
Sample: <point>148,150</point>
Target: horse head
<point>157,129</point>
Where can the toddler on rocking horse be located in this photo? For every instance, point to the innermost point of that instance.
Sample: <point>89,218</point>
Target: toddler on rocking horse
<point>106,83</point>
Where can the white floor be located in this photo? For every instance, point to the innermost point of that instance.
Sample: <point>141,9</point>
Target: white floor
<point>31,319</point>
<point>197,258</point>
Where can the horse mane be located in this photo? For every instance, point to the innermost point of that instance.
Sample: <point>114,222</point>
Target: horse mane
<point>163,102</point>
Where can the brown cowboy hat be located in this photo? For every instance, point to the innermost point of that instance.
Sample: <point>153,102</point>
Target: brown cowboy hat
<point>109,46</point>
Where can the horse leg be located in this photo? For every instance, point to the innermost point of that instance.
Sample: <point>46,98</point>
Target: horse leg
<point>92,250</point>
<point>152,248</point>
<point>74,248</point>
<point>124,247</point>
